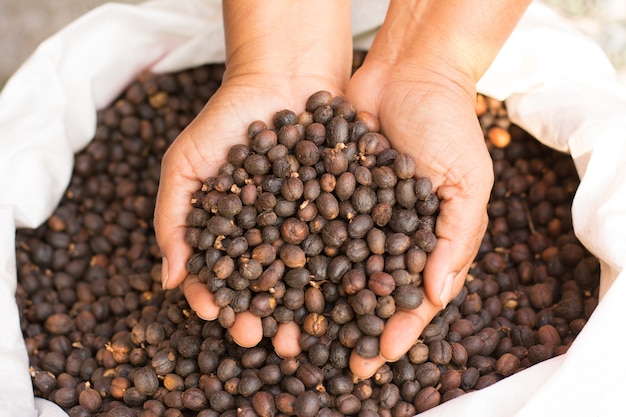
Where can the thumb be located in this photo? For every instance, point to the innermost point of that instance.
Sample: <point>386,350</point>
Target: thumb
<point>461,223</point>
<point>170,214</point>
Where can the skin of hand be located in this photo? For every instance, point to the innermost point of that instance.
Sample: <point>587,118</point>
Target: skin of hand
<point>264,74</point>
<point>420,78</point>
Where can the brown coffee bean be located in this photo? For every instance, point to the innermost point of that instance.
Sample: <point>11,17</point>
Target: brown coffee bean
<point>487,380</point>
<point>312,190</point>
<point>221,401</point>
<point>404,166</point>
<point>257,164</point>
<point>364,300</point>
<point>376,241</point>
<point>425,240</point>
<point>219,225</point>
<point>586,271</point>
<point>548,335</point>
<point>394,263</point>
<point>370,324</point>
<point>440,352</point>
<point>292,189</point>
<point>363,199</point>
<point>292,256</point>
<point>349,334</point>
<point>320,98</point>
<point>381,283</point>
<point>197,218</point>
<point>335,233</point>
<point>262,304</point>
<point>315,132</point>
<point>397,243</point>
<point>408,297</point>
<point>327,206</point>
<point>363,176</point>
<point>353,281</point>
<point>381,214</point>
<point>315,324</point>
<point>507,364</point>
<point>263,141</point>
<point>386,195</point>
<point>266,201</point>
<point>384,177</point>
<point>66,397</point>
<point>284,117</point>
<point>314,300</point>
<point>342,313</point>
<point>307,404</point>
<point>372,143</point>
<point>428,207</point>
<point>194,399</point>
<point>59,323</point>
<point>348,404</point>
<point>360,225</point>
<point>327,182</point>
<point>367,346</point>
<point>415,260</point>
<point>239,152</point>
<point>90,400</point>
<point>426,398</point>
<point>146,381</point>
<point>335,161</point>
<point>405,193</point>
<point>539,353</point>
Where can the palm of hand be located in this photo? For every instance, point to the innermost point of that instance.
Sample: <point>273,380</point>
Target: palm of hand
<point>197,154</point>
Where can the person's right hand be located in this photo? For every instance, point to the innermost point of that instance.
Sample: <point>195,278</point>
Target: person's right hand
<point>196,155</point>
<point>276,57</point>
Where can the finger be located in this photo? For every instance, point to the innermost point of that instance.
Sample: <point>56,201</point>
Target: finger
<point>247,331</point>
<point>172,205</point>
<point>404,328</point>
<point>364,367</point>
<point>461,224</point>
<point>200,299</point>
<point>286,340</point>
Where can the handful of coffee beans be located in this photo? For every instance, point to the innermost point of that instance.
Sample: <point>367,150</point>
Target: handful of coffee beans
<point>316,220</point>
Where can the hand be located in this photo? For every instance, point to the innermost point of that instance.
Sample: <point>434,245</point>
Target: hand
<point>432,117</point>
<point>276,57</point>
<point>197,154</point>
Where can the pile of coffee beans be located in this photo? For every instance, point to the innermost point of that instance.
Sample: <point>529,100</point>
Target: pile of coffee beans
<point>317,220</point>
<point>105,340</point>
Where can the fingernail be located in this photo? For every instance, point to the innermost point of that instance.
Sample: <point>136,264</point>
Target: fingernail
<point>446,290</point>
<point>164,273</point>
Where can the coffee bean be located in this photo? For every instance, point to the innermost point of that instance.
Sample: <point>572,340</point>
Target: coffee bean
<point>363,199</point>
<point>90,400</point>
<point>146,381</point>
<point>426,399</point>
<point>408,297</point>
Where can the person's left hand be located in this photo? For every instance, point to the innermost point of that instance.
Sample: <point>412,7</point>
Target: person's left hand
<point>431,116</point>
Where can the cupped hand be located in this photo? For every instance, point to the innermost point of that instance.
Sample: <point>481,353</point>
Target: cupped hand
<point>431,116</point>
<point>196,155</point>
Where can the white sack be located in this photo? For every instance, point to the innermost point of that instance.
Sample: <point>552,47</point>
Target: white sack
<point>557,84</point>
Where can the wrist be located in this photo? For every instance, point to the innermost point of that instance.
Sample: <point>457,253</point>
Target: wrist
<point>457,39</point>
<point>289,40</point>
